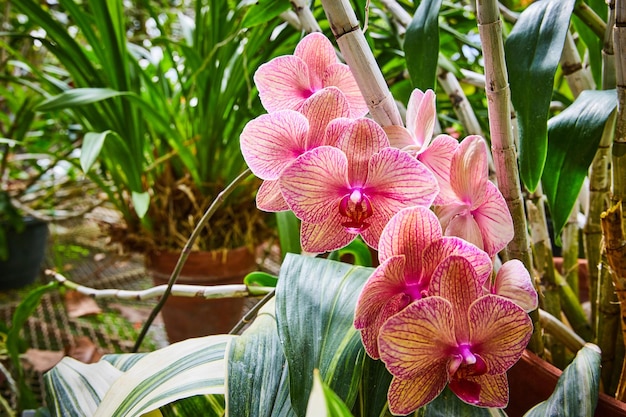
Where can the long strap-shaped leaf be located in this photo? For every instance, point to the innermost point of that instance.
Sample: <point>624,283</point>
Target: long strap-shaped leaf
<point>532,52</point>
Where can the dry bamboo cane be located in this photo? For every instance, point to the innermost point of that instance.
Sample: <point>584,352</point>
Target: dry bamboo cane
<point>305,16</point>
<point>608,51</point>
<point>615,247</point>
<point>502,144</point>
<point>360,59</point>
<point>619,141</point>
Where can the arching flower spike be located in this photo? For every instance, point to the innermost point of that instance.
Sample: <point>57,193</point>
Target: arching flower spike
<point>460,337</point>
<point>354,187</point>
<point>288,81</point>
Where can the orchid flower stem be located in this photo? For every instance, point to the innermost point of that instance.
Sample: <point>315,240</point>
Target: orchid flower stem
<point>361,61</point>
<point>560,331</point>
<point>573,309</point>
<point>502,144</point>
<point>217,202</point>
<point>590,18</point>
<point>608,51</point>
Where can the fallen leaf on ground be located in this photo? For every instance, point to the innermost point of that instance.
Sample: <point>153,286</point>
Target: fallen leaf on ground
<point>42,360</point>
<point>78,305</point>
<point>135,315</point>
<point>84,350</point>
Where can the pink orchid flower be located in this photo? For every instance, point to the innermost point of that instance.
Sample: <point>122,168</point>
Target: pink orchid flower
<point>469,205</point>
<point>514,282</point>
<point>288,81</point>
<point>416,138</point>
<point>354,187</point>
<point>410,249</point>
<point>459,337</point>
<point>272,141</point>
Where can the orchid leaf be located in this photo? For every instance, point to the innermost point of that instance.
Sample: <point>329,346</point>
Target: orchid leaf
<point>315,303</point>
<point>78,97</point>
<point>421,45</point>
<point>260,279</point>
<point>132,385</point>
<point>92,145</point>
<point>533,49</point>
<point>141,202</point>
<point>323,402</point>
<point>374,386</point>
<point>288,232</point>
<point>257,372</point>
<point>263,11</point>
<point>448,404</point>
<point>574,136</point>
<point>576,392</point>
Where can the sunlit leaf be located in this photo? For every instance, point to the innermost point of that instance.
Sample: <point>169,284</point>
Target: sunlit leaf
<point>533,49</point>
<point>92,145</point>
<point>78,97</point>
<point>263,11</point>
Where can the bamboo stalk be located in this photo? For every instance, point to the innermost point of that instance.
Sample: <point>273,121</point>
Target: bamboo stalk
<point>502,144</point>
<point>619,141</point>
<point>560,331</point>
<point>590,18</point>
<point>608,51</point>
<point>360,59</point>
<point>615,247</point>
<point>305,16</point>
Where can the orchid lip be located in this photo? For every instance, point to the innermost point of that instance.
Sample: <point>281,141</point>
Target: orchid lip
<point>357,207</point>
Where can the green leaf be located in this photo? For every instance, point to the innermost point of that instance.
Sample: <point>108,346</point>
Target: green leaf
<point>288,232</point>
<point>92,145</point>
<point>576,392</point>
<point>574,136</point>
<point>448,404</point>
<point>141,202</point>
<point>375,380</point>
<point>194,367</point>
<point>421,45</point>
<point>533,49</point>
<point>257,371</point>
<point>263,11</point>
<point>315,302</point>
<point>359,250</point>
<point>323,402</point>
<point>260,279</point>
<point>78,97</point>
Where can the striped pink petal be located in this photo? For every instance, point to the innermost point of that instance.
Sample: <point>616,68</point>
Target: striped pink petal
<point>494,220</point>
<point>318,53</point>
<point>514,282</point>
<point>469,170</point>
<point>320,109</point>
<point>272,141</point>
<point>421,115</point>
<point>500,331</point>
<point>283,83</point>
<point>382,296</point>
<point>464,226</point>
<point>339,75</point>
<point>438,158</point>
<point>406,396</point>
<point>315,183</point>
<point>326,236</point>
<point>400,137</point>
<point>482,391</point>
<point>269,198</point>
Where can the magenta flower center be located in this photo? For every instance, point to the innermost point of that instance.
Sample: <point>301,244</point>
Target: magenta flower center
<point>356,207</point>
<point>465,362</point>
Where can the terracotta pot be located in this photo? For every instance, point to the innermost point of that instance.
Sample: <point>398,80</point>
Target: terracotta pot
<point>532,380</point>
<point>186,317</point>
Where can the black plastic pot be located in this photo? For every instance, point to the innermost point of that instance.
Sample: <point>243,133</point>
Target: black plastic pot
<point>26,254</point>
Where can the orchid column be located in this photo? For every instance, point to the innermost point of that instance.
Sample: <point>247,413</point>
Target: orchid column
<point>502,145</point>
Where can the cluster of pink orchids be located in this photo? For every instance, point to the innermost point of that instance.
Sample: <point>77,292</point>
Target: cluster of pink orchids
<point>434,311</point>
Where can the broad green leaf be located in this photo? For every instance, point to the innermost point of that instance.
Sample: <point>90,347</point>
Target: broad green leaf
<point>184,369</point>
<point>78,97</point>
<point>288,232</point>
<point>576,392</point>
<point>421,45</point>
<point>360,251</point>
<point>315,302</point>
<point>141,202</point>
<point>448,404</point>
<point>263,11</point>
<point>198,405</point>
<point>323,402</point>
<point>375,380</point>
<point>257,371</point>
<point>574,136</point>
<point>92,145</point>
<point>533,49</point>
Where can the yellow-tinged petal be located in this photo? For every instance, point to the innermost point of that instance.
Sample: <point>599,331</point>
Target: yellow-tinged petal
<point>407,395</point>
<point>482,391</point>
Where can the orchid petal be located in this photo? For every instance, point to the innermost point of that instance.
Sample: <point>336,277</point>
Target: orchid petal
<point>409,233</point>
<point>322,107</point>
<point>438,158</point>
<point>269,198</point>
<point>406,396</point>
<point>272,141</point>
<point>318,53</point>
<point>465,227</point>
<point>326,236</point>
<point>513,282</point>
<point>421,115</point>
<point>335,130</point>
<point>340,76</point>
<point>469,170</point>
<point>456,281</point>
<point>500,331</point>
<point>314,183</point>
<point>399,137</point>
<point>382,296</point>
<point>397,176</point>
<point>362,139</point>
<point>494,220</point>
<point>453,246</point>
<point>416,339</point>
<point>493,390</point>
<point>283,83</point>
<point>447,212</point>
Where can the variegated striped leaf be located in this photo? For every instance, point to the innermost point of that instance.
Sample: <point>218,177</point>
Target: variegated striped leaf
<point>323,402</point>
<point>315,302</point>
